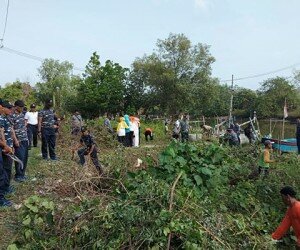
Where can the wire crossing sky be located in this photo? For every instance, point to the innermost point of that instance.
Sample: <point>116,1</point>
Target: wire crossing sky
<point>253,40</point>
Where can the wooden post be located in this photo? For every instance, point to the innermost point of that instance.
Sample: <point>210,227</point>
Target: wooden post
<point>231,102</point>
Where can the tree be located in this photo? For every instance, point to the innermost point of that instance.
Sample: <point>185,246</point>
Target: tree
<point>244,101</point>
<point>171,77</point>
<point>57,81</point>
<point>18,91</point>
<point>272,95</point>
<point>102,88</point>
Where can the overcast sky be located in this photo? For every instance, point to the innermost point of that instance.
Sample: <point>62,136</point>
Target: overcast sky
<point>246,36</point>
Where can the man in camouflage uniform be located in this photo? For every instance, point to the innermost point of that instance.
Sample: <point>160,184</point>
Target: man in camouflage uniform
<point>3,149</point>
<point>7,161</point>
<point>21,148</point>
<point>46,129</point>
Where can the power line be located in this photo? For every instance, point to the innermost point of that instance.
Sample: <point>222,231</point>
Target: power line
<point>5,24</point>
<point>262,74</point>
<point>36,58</point>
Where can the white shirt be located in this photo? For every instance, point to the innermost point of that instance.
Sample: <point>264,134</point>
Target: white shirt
<point>31,117</point>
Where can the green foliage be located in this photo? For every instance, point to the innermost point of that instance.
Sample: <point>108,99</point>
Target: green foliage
<point>102,89</point>
<point>37,228</point>
<point>18,91</point>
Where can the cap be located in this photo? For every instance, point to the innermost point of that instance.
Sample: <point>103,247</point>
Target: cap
<point>19,103</point>
<point>48,101</point>
<point>32,106</point>
<point>6,104</point>
<point>267,142</point>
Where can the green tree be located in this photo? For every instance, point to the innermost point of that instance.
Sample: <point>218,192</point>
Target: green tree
<point>102,88</point>
<point>18,91</point>
<point>272,95</point>
<point>57,81</point>
<point>170,78</point>
<point>244,101</point>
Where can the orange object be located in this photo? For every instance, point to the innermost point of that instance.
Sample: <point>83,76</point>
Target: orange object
<point>291,219</point>
<point>148,129</point>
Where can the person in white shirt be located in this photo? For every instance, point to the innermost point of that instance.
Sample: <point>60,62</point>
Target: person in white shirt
<point>31,118</point>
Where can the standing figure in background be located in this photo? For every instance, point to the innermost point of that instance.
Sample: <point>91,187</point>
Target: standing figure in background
<point>21,149</point>
<point>31,118</point>
<point>249,133</point>
<point>176,130</point>
<point>107,124</point>
<point>237,129</point>
<point>184,129</point>
<point>265,159</point>
<point>298,135</point>
<point>121,130</point>
<point>76,123</point>
<point>231,137</point>
<point>135,126</point>
<point>128,132</point>
<point>46,129</point>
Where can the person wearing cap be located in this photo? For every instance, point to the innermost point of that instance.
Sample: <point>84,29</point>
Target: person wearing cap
<point>88,148</point>
<point>46,129</point>
<point>21,148</point>
<point>8,135</point>
<point>4,149</point>
<point>184,129</point>
<point>292,215</point>
<point>264,160</point>
<point>31,118</point>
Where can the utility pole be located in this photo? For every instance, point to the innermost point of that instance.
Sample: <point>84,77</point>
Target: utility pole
<point>231,103</point>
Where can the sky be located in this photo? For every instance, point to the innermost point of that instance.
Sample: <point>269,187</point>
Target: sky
<point>247,37</point>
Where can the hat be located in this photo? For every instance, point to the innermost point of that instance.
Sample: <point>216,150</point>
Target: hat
<point>6,104</point>
<point>267,142</point>
<point>19,103</point>
<point>32,106</point>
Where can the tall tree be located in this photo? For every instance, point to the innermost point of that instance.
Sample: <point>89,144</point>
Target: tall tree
<point>103,87</point>
<point>169,77</point>
<point>57,81</point>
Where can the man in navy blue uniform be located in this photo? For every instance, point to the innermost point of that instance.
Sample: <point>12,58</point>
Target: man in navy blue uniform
<point>6,147</point>
<point>46,129</point>
<point>21,149</point>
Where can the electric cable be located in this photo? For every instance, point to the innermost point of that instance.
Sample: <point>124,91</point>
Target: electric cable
<point>5,24</point>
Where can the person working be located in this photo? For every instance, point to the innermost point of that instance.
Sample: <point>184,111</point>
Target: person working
<point>292,215</point>
<point>264,160</point>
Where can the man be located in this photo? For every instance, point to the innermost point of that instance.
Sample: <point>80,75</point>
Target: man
<point>46,129</point>
<point>21,149</point>
<point>184,129</point>
<point>292,215</point>
<point>3,175</point>
<point>88,148</point>
<point>298,135</point>
<point>264,160</point>
<point>231,137</point>
<point>9,142</point>
<point>31,118</point>
<point>76,123</point>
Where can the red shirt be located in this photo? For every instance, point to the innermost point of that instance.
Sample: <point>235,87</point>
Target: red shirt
<point>291,219</point>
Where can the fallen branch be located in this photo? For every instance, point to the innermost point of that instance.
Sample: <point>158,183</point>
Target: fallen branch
<point>171,205</point>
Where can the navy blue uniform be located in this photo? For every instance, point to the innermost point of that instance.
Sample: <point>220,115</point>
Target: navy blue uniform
<point>18,122</point>
<point>88,142</point>
<point>48,133</point>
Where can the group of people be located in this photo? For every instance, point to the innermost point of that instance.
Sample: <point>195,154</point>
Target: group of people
<point>18,133</point>
<point>181,129</point>
<point>128,131</point>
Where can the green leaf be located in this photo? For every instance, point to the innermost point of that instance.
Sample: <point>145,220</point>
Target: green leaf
<point>12,247</point>
<point>26,221</point>
<point>206,171</point>
<point>198,180</point>
<point>166,231</point>
<point>28,233</point>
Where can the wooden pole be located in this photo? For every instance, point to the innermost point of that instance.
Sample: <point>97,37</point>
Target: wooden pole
<point>231,102</point>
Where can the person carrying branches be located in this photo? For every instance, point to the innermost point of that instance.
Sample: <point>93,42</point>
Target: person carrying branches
<point>88,147</point>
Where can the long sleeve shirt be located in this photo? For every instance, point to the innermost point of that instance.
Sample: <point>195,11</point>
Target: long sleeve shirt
<point>291,219</point>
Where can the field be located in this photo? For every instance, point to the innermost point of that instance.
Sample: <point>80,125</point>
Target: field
<point>183,196</point>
